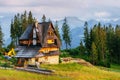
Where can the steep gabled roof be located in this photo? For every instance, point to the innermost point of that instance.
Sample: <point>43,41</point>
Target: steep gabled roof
<point>27,32</point>
<point>45,26</point>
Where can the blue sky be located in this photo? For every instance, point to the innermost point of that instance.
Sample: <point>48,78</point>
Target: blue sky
<point>56,9</point>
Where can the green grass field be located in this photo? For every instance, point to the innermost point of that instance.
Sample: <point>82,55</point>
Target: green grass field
<point>70,71</point>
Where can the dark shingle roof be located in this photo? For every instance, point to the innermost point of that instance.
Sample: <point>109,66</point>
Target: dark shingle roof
<point>45,26</point>
<point>26,33</point>
<point>28,52</point>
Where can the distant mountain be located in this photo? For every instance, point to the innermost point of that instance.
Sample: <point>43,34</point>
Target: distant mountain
<point>76,26</point>
<point>5,24</point>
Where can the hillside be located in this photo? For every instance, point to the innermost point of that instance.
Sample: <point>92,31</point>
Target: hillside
<point>70,71</point>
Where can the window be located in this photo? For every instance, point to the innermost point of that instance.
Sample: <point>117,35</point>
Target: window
<point>50,33</point>
<point>50,41</point>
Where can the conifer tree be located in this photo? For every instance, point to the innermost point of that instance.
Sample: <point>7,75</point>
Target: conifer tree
<point>24,21</point>
<point>94,54</point>
<point>82,48</point>
<point>12,31</point>
<point>1,37</point>
<point>30,18</point>
<point>43,18</point>
<point>57,31</point>
<point>87,38</point>
<point>117,44</point>
<point>66,34</point>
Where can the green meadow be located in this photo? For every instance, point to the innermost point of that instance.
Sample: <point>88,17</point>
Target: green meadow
<point>69,71</point>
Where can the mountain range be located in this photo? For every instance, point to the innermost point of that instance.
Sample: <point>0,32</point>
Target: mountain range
<point>76,28</point>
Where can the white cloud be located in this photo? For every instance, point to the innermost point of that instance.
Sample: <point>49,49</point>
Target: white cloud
<point>61,8</point>
<point>102,14</point>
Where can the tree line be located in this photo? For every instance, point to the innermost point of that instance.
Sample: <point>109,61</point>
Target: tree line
<point>102,44</point>
<point>19,24</point>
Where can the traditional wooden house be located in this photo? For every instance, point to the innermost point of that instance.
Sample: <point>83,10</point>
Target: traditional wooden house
<point>40,43</point>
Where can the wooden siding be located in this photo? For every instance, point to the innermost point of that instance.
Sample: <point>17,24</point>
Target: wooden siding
<point>48,49</point>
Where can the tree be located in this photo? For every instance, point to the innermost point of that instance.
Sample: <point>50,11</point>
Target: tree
<point>117,44</point>
<point>24,21</point>
<point>1,38</point>
<point>66,34</point>
<point>87,38</point>
<point>110,41</point>
<point>12,31</point>
<point>30,18</point>
<point>82,48</point>
<point>100,40</point>
<point>57,31</point>
<point>43,18</point>
<point>94,54</point>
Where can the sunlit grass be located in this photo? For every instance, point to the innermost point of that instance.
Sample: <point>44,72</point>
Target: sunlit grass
<point>71,71</point>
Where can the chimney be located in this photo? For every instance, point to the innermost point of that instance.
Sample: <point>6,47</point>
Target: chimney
<point>36,23</point>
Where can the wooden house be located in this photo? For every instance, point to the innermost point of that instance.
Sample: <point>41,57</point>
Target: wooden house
<point>40,43</point>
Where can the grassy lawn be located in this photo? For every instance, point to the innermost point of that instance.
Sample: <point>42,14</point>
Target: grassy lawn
<point>71,71</point>
<point>114,68</point>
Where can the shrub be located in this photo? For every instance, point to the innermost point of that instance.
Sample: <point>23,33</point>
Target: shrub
<point>64,54</point>
<point>5,65</point>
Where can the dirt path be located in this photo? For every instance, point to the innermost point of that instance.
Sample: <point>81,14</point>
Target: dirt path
<point>76,60</point>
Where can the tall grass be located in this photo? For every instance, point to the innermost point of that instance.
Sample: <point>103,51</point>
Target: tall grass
<point>71,71</point>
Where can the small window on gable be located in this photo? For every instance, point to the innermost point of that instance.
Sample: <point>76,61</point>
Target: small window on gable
<point>50,33</point>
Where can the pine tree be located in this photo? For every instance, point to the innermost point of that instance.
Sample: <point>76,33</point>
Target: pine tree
<point>57,31</point>
<point>1,38</point>
<point>110,41</point>
<point>12,31</point>
<point>66,34</point>
<point>94,54</point>
<point>43,18</point>
<point>24,21</point>
<point>87,38</point>
<point>15,24</point>
<point>82,48</point>
<point>117,44</point>
<point>30,18</point>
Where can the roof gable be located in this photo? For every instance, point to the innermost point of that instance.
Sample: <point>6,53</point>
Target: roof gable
<point>27,32</point>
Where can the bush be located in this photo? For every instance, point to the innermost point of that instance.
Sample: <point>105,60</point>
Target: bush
<point>5,65</point>
<point>74,52</point>
<point>60,61</point>
<point>13,60</point>
<point>104,63</point>
<point>64,54</point>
